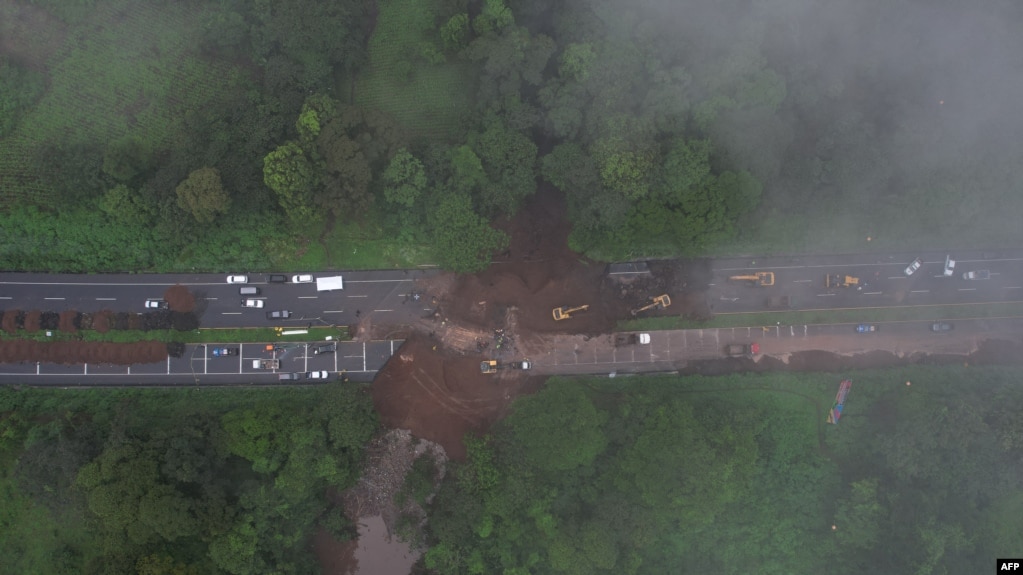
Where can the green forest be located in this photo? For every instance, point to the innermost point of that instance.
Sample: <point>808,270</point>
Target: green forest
<point>215,135</point>
<point>183,482</point>
<point>740,474</point>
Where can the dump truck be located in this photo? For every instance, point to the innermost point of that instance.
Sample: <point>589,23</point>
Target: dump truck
<point>624,339</point>
<point>779,302</point>
<point>565,312</point>
<point>662,301</point>
<point>759,278</point>
<point>742,349</point>
<point>837,280</point>
<point>266,364</point>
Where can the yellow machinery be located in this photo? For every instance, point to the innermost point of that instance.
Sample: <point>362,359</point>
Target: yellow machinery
<point>489,366</point>
<point>662,301</point>
<point>840,281</point>
<point>566,312</point>
<point>759,278</point>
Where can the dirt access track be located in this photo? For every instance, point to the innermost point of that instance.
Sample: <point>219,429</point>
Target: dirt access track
<point>433,386</point>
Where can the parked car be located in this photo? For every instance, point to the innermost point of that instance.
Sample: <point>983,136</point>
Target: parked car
<point>277,279</point>
<point>941,326</point>
<point>289,376</point>
<point>303,279</point>
<point>156,304</point>
<point>324,348</point>
<point>237,279</point>
<point>911,268</point>
<point>252,303</point>
<point>317,374</point>
<point>977,275</point>
<point>280,314</point>
<point>950,266</point>
<point>866,328</point>
<point>223,351</point>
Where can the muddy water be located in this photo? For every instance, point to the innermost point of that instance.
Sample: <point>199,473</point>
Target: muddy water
<point>380,554</point>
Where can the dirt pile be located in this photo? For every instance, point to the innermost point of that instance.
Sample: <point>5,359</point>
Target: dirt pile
<point>440,395</point>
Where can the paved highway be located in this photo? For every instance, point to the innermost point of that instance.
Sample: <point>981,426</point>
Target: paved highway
<point>360,360</point>
<point>384,294</point>
<point>883,281</point>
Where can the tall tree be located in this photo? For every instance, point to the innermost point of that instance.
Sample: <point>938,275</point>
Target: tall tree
<point>203,195</point>
<point>289,173</point>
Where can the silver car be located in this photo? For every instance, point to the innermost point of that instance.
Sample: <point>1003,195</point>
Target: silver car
<point>911,268</point>
<point>317,374</point>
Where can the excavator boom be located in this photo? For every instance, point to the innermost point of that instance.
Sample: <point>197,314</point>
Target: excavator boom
<point>566,312</point>
<point>662,301</point>
<point>759,278</point>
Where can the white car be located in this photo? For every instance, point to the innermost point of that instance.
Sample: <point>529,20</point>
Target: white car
<point>911,268</point>
<point>252,303</point>
<point>950,266</point>
<point>156,304</point>
<point>237,279</point>
<point>302,279</point>
<point>317,374</point>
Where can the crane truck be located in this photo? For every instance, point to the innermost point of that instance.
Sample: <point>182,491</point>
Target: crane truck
<point>762,279</point>
<point>837,280</point>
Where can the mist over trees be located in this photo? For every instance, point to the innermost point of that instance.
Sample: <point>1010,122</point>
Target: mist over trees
<point>670,128</point>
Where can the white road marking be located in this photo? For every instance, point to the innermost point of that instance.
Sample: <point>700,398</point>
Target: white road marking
<point>230,313</point>
<point>358,296</point>
<point>5,297</point>
<point>307,297</point>
<point>896,277</point>
<point>871,293</point>
<point>383,310</point>
<point>106,299</point>
<point>376,281</point>
<point>334,311</point>
<point>56,298</point>
<point>967,289</point>
<point>1010,287</point>
<point>211,298</point>
<point>825,294</point>
<point>919,291</point>
<point>802,281</point>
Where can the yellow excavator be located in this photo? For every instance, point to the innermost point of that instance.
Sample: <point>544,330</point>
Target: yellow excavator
<point>565,312</point>
<point>662,301</point>
<point>759,278</point>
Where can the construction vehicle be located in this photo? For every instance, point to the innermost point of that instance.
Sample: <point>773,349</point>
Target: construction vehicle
<point>742,349</point>
<point>840,281</point>
<point>565,312</point>
<point>779,302</point>
<point>266,364</point>
<point>624,339</point>
<point>490,366</point>
<point>762,279</point>
<point>662,301</point>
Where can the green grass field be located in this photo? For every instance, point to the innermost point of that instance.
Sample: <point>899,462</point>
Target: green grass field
<point>429,99</point>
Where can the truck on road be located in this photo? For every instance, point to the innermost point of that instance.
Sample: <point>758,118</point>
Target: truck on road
<point>266,364</point>
<point>762,279</point>
<point>837,280</point>
<point>977,275</point>
<point>330,283</point>
<point>742,349</point>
